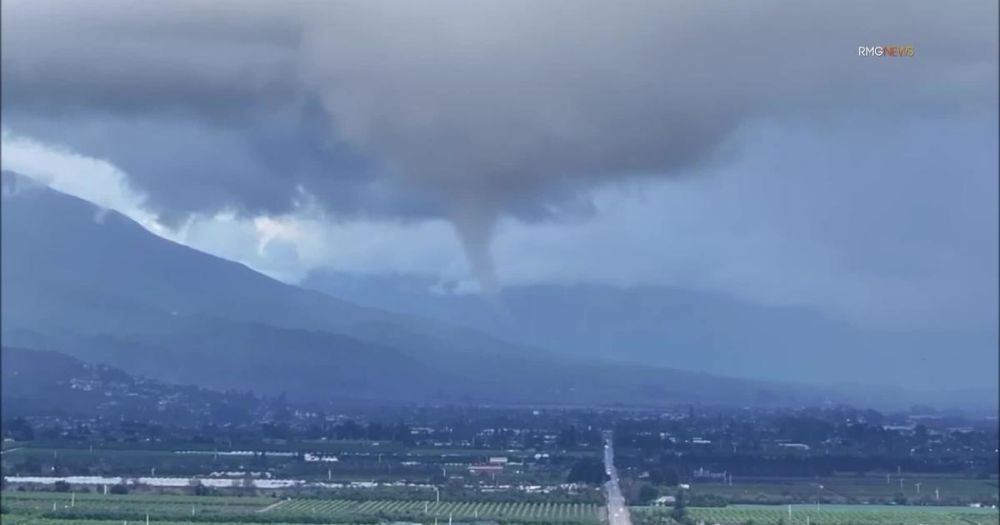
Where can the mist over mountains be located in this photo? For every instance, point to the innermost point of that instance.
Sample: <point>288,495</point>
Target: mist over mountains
<point>691,330</point>
<point>95,285</point>
<point>98,286</point>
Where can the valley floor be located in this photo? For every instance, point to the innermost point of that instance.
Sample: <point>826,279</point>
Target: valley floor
<point>52,508</point>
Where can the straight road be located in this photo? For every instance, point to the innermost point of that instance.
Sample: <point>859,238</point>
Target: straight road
<point>617,509</point>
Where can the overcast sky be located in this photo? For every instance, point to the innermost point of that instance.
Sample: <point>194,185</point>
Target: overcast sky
<point>744,148</point>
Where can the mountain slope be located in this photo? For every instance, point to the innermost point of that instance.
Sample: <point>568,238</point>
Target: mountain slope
<point>695,331</point>
<point>92,271</point>
<point>100,287</point>
<point>44,383</point>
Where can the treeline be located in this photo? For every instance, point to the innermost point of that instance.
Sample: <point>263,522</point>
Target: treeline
<point>225,517</point>
<point>670,469</point>
<point>450,493</point>
<point>589,471</point>
<point>344,430</point>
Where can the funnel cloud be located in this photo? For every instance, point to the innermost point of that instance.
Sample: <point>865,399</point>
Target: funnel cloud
<point>465,110</point>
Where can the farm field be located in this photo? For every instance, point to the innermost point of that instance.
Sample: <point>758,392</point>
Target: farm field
<point>519,512</point>
<point>34,520</point>
<point>840,490</point>
<point>826,515</point>
<point>40,508</point>
<point>56,503</point>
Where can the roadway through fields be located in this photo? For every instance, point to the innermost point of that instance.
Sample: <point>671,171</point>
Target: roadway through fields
<point>617,509</point>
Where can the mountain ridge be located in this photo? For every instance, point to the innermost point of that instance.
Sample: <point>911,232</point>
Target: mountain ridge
<point>689,329</point>
<point>110,291</point>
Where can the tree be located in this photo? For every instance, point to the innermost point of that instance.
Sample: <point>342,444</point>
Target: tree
<point>665,476</point>
<point>402,433</point>
<point>590,471</point>
<point>567,438</point>
<point>18,429</point>
<point>118,489</point>
<point>247,485</point>
<point>647,493</point>
<point>680,510</point>
<point>198,488</point>
<point>61,486</point>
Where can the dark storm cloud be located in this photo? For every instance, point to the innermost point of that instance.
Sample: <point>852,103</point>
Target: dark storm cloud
<point>187,166</point>
<point>130,57</point>
<point>489,107</point>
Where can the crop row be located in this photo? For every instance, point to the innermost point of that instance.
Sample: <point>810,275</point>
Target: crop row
<point>9,519</point>
<point>859,515</point>
<point>458,510</point>
<point>153,505</point>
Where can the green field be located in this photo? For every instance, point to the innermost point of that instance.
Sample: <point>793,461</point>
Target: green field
<point>91,509</point>
<point>826,515</point>
<point>872,490</point>
<point>54,504</point>
<point>34,520</point>
<point>36,508</point>
<point>420,510</point>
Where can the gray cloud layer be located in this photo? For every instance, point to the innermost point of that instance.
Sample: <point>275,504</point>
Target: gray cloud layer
<point>461,109</point>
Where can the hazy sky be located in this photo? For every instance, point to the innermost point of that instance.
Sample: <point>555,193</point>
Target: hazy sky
<point>736,147</point>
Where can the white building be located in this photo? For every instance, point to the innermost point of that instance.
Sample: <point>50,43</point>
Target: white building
<point>664,501</point>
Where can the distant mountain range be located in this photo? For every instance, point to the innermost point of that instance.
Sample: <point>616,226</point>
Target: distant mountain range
<point>100,287</point>
<point>699,331</point>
